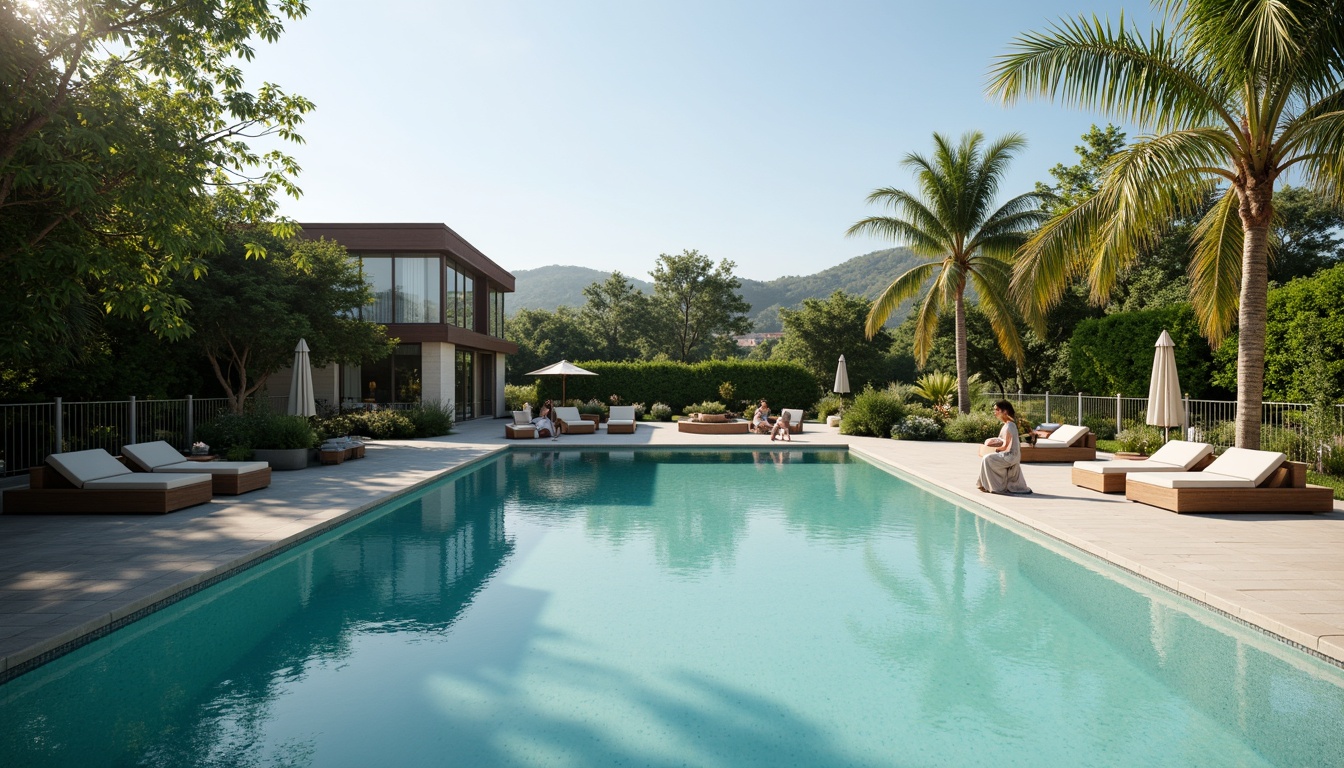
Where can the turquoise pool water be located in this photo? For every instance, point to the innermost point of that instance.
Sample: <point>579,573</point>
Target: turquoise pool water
<point>663,609</point>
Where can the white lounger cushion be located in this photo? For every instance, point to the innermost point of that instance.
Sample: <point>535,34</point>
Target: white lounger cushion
<point>1175,456</point>
<point>148,456</point>
<point>569,414</point>
<point>1203,479</point>
<point>214,467</point>
<point>795,415</point>
<point>80,467</point>
<point>1182,453</point>
<point>1064,437</point>
<point>1125,466</point>
<point>522,418</point>
<point>1255,466</point>
<point>621,414</point>
<point>140,481</point>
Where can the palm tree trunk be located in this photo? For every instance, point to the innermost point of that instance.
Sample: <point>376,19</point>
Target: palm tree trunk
<point>963,378</point>
<point>1255,214</point>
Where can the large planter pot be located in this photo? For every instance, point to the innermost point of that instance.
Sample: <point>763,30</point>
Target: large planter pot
<point>712,418</point>
<point>282,459</point>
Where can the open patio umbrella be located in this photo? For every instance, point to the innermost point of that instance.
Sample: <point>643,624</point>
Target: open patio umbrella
<point>564,369</point>
<point>1165,408</point>
<point>301,401</point>
<point>841,378</point>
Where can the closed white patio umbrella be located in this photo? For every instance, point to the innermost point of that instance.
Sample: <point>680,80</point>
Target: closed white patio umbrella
<point>564,369</point>
<point>841,378</point>
<point>1165,407</point>
<point>301,402</point>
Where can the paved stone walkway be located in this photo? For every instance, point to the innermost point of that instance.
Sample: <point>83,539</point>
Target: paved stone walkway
<point>62,578</point>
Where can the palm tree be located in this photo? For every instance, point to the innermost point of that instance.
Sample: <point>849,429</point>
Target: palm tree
<point>951,224</point>
<point>1233,95</point>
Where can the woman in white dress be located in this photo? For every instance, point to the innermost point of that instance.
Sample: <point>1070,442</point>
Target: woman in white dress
<point>1001,471</point>
<point>545,420</point>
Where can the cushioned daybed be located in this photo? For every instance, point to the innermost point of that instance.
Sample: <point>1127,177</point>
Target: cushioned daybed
<point>621,420</point>
<point>571,423</point>
<point>1068,443</point>
<point>230,478</point>
<point>93,482</point>
<point>1109,476</point>
<point>522,426</point>
<point>1238,481</point>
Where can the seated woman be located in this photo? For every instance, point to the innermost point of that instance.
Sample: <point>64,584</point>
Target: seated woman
<point>781,429</point>
<point>760,420</point>
<point>1001,471</point>
<point>545,422</point>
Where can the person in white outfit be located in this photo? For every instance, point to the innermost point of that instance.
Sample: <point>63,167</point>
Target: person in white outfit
<point>1001,471</point>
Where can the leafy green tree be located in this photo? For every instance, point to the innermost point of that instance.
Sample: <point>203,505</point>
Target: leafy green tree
<point>123,128</point>
<point>250,313</point>
<point>694,302</point>
<point>544,337</point>
<point>1114,354</point>
<point>1305,332</point>
<point>1080,181</point>
<point>951,223</point>
<point>1233,95</point>
<point>616,315</point>
<point>818,332</point>
<point>1307,230</point>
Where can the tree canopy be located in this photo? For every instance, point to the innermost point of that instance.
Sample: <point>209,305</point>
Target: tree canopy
<point>124,129</point>
<point>818,332</point>
<point>695,304</point>
<point>250,313</point>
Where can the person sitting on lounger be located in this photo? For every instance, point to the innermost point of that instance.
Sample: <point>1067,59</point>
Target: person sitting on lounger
<point>781,429</point>
<point>760,420</point>
<point>1001,471</point>
<point>545,421</point>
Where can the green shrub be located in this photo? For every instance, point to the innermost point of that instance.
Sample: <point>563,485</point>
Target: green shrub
<point>238,453</point>
<point>786,384</point>
<point>661,411</point>
<point>873,413</point>
<point>974,427</point>
<point>1101,426</point>
<point>593,407</point>
<point>828,405</point>
<point>515,395</point>
<point>257,429</point>
<point>1139,438</point>
<point>917,428</point>
<point>709,406</point>
<point>380,425</point>
<point>432,418</point>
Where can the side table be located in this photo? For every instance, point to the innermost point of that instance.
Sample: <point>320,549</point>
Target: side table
<point>206,457</point>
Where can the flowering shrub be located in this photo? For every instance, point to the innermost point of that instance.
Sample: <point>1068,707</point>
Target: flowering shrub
<point>661,411</point>
<point>916,428</point>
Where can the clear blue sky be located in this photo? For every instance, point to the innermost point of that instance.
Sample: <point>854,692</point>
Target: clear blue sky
<point>604,133</point>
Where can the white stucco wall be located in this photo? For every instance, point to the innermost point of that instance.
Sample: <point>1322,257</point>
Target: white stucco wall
<point>437,371</point>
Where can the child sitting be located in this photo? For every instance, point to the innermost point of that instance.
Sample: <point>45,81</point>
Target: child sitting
<point>781,429</point>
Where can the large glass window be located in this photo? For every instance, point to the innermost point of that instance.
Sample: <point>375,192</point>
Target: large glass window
<point>393,379</point>
<point>452,304</point>
<point>495,302</point>
<point>466,386</point>
<point>378,274</point>
<point>418,294</point>
<point>468,303</point>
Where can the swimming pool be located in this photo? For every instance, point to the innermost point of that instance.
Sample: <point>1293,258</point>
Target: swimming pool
<point>662,608</point>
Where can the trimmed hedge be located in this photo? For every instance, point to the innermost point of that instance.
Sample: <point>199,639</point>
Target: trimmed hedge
<point>785,385</point>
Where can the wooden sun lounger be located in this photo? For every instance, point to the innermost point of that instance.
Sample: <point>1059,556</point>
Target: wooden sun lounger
<point>228,478</point>
<point>1109,476</point>
<point>1239,481</point>
<point>99,484</point>
<point>1079,447</point>
<point>571,423</point>
<point>621,420</point>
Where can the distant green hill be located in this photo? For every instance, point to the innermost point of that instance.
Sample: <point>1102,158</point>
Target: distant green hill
<point>867,275</point>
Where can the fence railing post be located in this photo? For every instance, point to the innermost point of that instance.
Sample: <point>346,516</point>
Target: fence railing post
<point>191,424</point>
<point>1119,414</point>
<point>1047,405</point>
<point>60,426</point>
<point>1080,408</point>
<point>132,424</point>
<point>1185,418</point>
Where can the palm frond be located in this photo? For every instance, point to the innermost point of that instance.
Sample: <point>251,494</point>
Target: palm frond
<point>900,231</point>
<point>991,279</point>
<point>1055,255</point>
<point>1215,268</point>
<point>926,323</point>
<point>896,294</point>
<point>1087,64</point>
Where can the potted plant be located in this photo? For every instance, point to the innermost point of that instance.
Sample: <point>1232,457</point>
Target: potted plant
<point>1138,442</point>
<point>593,411</point>
<point>708,411</point>
<point>283,441</point>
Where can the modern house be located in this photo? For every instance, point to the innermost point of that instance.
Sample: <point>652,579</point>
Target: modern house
<point>444,300</point>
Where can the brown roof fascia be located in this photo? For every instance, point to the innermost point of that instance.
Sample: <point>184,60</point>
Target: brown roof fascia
<point>412,238</point>
<point>419,333</point>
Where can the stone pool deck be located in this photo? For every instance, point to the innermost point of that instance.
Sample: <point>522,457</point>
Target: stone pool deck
<point>65,578</point>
